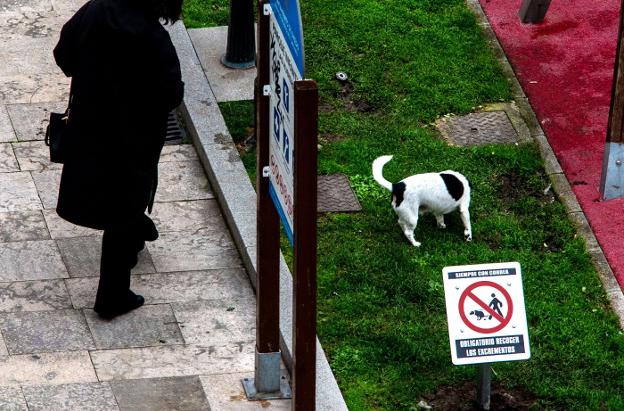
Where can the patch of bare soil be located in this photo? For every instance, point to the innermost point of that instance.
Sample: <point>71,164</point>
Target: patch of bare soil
<point>463,397</point>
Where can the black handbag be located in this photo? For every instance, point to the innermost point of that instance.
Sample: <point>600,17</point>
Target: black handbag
<point>57,134</point>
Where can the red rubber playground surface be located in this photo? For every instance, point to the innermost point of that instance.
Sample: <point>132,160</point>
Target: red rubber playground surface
<point>565,66</point>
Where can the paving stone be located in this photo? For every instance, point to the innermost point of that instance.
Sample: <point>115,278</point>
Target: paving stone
<point>147,326</point>
<point>34,296</point>
<point>182,180</point>
<point>30,22</point>
<point>12,399</point>
<point>31,260</point>
<point>30,120</point>
<point>8,5</point>
<point>7,134</point>
<point>225,392</point>
<point>8,162</point>
<point>188,215</point>
<point>173,287</point>
<point>34,88</point>
<point>23,226</point>
<point>37,60</point>
<point>34,156</point>
<point>76,397</point>
<point>215,322</point>
<point>226,84</point>
<point>335,194</point>
<point>198,250</point>
<point>46,368</point>
<point>173,361</point>
<point>82,256</point>
<point>18,192</point>
<point>47,183</point>
<point>45,331</point>
<point>178,152</point>
<point>60,228</point>
<point>161,394</point>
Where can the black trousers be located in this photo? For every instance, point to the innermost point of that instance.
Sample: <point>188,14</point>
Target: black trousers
<point>121,244</point>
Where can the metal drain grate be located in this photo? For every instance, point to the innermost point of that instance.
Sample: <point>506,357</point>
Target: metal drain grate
<point>492,127</point>
<point>175,133</point>
<point>335,194</point>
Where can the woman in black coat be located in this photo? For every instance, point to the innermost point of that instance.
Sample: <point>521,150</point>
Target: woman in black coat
<point>125,80</point>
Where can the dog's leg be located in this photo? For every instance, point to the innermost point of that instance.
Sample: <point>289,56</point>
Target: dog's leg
<point>440,220</point>
<point>465,216</point>
<point>408,226</point>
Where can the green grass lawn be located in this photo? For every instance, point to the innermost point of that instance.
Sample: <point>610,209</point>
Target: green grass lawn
<point>382,319</point>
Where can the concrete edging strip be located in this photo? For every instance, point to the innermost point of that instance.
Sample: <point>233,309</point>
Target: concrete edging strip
<point>553,169</point>
<point>235,194</point>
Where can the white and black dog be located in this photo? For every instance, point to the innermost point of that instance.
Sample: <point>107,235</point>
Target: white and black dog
<point>437,193</point>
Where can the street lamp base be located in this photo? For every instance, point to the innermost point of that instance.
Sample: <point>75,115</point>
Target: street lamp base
<point>238,66</point>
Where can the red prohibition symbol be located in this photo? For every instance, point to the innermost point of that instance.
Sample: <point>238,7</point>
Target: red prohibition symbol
<point>502,321</point>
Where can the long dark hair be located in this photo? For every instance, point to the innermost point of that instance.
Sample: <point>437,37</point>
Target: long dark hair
<point>167,10</point>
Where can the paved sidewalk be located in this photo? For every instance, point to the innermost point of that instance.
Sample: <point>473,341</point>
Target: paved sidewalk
<point>188,347</point>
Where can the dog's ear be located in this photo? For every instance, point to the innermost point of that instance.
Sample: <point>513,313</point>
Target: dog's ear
<point>453,185</point>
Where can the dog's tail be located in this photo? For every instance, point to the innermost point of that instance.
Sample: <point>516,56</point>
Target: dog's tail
<point>378,165</point>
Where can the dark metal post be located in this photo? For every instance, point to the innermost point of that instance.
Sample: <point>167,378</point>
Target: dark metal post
<point>304,298</point>
<point>241,47</point>
<point>484,387</point>
<point>533,11</point>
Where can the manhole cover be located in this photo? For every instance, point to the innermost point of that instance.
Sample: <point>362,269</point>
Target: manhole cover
<point>492,127</point>
<point>175,133</point>
<point>334,194</point>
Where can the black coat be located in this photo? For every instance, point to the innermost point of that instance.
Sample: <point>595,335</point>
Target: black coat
<point>125,79</point>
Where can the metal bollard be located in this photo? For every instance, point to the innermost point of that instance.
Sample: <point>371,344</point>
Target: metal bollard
<point>241,45</point>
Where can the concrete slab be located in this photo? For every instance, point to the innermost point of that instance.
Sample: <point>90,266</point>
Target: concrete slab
<point>9,5</point>
<point>23,226</point>
<point>34,88</point>
<point>178,152</point>
<point>12,399</point>
<point>225,392</point>
<point>82,256</point>
<point>227,84</point>
<point>215,322</point>
<point>47,368</point>
<point>203,249</point>
<point>8,162</point>
<point>47,183</point>
<point>7,134</point>
<point>31,120</point>
<point>38,60</point>
<point>169,288</point>
<point>60,228</point>
<point>84,397</point>
<point>18,192</point>
<point>188,215</point>
<point>34,296</point>
<point>150,325</point>
<point>28,22</point>
<point>45,331</point>
<point>161,394</point>
<point>31,260</point>
<point>182,181</point>
<point>34,156</point>
<point>173,361</point>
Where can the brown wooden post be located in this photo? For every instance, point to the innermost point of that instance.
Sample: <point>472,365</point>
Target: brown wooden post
<point>533,11</point>
<point>304,298</point>
<point>612,179</point>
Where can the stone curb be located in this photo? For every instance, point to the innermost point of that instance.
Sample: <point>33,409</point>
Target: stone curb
<point>235,194</point>
<point>553,169</point>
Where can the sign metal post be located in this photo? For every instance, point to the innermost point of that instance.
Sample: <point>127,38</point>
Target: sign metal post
<point>286,127</point>
<point>486,318</point>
